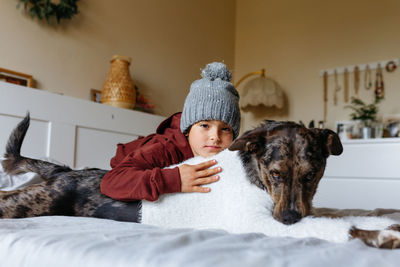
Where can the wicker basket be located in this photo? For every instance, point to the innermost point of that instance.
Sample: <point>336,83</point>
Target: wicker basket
<point>118,89</point>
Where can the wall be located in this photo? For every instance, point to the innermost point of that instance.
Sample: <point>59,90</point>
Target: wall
<point>168,41</point>
<point>294,40</point>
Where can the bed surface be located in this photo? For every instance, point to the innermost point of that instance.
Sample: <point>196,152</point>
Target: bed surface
<point>72,241</point>
<point>68,130</point>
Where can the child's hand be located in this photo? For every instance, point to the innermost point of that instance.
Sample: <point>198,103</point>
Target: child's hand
<point>192,176</point>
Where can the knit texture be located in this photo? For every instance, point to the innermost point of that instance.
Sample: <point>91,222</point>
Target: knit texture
<point>212,98</point>
<point>236,205</point>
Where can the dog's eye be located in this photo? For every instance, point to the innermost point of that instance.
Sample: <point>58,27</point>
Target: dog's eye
<point>275,174</point>
<point>309,177</point>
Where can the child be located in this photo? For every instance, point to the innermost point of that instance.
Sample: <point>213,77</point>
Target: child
<point>208,124</point>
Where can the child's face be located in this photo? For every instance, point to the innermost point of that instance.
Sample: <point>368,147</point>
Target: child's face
<point>207,138</point>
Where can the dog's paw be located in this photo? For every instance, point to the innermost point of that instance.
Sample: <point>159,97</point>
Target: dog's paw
<point>394,227</point>
<point>389,239</point>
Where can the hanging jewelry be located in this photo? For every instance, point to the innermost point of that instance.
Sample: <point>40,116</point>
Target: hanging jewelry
<point>325,95</point>
<point>367,78</point>
<point>346,85</point>
<point>337,88</point>
<point>356,81</point>
<point>379,85</point>
<point>391,66</point>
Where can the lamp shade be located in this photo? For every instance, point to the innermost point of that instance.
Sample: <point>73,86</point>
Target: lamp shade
<point>261,91</point>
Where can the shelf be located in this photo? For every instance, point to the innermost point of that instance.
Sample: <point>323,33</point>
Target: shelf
<point>372,141</point>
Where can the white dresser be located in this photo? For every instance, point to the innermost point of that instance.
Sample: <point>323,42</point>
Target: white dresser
<point>366,175</point>
<point>75,132</point>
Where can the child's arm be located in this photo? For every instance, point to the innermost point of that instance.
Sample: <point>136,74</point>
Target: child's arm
<point>141,175</point>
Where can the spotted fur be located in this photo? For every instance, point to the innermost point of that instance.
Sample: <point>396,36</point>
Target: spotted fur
<point>288,160</point>
<point>63,192</point>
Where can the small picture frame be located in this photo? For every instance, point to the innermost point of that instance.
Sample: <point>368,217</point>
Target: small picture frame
<point>15,77</point>
<point>389,118</point>
<point>391,124</point>
<point>95,95</point>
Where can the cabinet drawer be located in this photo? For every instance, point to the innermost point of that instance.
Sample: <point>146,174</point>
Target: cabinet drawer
<point>358,193</point>
<point>370,160</point>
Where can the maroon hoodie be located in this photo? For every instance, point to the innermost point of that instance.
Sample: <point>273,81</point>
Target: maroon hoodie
<point>137,168</point>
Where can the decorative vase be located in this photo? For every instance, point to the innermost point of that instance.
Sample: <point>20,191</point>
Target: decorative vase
<point>377,131</point>
<point>366,132</point>
<point>118,89</point>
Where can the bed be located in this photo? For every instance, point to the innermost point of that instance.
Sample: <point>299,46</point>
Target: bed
<point>81,133</point>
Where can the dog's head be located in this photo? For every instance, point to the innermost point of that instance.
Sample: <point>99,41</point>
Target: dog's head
<point>288,160</point>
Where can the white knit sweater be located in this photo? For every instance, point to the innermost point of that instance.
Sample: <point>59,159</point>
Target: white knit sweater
<point>236,205</point>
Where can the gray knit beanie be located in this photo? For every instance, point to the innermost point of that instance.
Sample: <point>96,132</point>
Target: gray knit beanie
<point>212,98</point>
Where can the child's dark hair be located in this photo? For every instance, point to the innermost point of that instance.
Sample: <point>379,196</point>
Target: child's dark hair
<point>186,132</point>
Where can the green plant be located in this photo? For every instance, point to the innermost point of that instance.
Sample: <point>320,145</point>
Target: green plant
<point>46,9</point>
<point>366,113</point>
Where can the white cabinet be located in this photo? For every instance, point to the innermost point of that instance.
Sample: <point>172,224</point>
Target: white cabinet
<point>366,175</point>
<point>75,132</point>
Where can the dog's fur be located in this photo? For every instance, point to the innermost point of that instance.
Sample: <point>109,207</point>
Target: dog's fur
<point>289,161</point>
<point>285,158</point>
<point>64,191</point>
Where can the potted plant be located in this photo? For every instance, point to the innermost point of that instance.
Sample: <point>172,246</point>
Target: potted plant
<point>365,113</point>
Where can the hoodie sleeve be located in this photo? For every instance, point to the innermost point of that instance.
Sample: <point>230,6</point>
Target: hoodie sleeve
<point>140,175</point>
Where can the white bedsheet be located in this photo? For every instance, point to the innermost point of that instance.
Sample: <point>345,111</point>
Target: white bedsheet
<point>73,241</point>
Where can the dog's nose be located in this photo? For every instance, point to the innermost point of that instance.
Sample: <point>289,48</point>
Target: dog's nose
<point>290,216</point>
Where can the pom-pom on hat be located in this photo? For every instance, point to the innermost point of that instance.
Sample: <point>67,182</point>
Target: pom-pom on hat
<point>212,98</point>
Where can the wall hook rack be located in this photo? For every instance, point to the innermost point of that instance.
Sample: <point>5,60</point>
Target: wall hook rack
<point>361,67</point>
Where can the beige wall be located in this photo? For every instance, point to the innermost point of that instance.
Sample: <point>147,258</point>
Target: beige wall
<point>168,41</point>
<point>294,40</point>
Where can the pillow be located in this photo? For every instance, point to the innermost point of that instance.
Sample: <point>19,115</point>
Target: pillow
<point>14,182</point>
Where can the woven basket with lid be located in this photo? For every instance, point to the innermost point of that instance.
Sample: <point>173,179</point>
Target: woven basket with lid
<point>118,89</point>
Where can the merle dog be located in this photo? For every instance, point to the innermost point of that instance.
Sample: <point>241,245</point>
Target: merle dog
<point>63,192</point>
<point>285,158</point>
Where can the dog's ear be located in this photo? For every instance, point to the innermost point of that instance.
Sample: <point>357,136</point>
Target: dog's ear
<point>252,141</point>
<point>244,145</point>
<point>330,141</point>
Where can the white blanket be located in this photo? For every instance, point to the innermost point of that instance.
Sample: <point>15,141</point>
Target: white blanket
<point>236,205</point>
<point>89,242</point>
